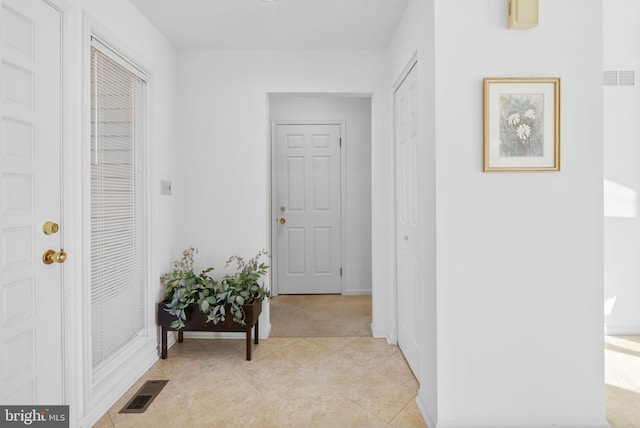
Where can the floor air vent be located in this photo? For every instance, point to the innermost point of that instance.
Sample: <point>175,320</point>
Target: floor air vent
<point>144,396</point>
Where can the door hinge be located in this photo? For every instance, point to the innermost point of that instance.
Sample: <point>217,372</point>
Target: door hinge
<point>340,271</point>
<point>340,141</point>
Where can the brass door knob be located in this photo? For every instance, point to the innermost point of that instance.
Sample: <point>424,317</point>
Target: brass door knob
<point>50,227</point>
<point>51,256</point>
<point>283,220</point>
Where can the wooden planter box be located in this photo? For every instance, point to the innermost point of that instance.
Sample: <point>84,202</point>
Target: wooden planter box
<point>196,321</point>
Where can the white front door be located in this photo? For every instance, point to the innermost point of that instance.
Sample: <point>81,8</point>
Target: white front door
<point>408,261</point>
<point>30,196</point>
<point>307,169</point>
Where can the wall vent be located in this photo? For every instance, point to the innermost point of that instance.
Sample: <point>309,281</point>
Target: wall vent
<point>610,78</point>
<point>619,78</point>
<point>626,78</point>
<point>144,396</point>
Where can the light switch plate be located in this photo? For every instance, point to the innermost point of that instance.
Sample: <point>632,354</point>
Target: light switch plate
<point>165,187</point>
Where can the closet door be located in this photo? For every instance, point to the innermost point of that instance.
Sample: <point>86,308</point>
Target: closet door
<point>407,216</point>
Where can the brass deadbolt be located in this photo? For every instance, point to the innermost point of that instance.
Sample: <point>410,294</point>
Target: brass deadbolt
<point>50,256</point>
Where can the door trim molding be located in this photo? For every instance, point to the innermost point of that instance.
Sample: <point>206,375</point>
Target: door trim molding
<point>272,217</point>
<point>71,207</point>
<point>97,394</point>
<point>405,72</point>
<point>70,336</point>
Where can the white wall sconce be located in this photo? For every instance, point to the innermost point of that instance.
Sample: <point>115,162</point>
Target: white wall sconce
<point>523,14</point>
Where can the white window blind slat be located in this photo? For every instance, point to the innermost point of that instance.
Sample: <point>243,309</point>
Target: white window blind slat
<point>117,194</point>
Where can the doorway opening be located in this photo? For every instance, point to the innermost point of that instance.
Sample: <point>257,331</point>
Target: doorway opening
<point>321,205</point>
<point>320,315</point>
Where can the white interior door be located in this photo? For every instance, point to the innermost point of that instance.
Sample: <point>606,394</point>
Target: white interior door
<point>30,195</point>
<point>308,209</point>
<point>406,128</point>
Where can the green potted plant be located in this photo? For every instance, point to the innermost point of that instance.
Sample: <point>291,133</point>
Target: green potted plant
<point>198,302</point>
<point>235,289</point>
<point>183,287</point>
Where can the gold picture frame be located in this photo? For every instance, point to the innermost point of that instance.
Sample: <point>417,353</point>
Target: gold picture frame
<point>521,124</point>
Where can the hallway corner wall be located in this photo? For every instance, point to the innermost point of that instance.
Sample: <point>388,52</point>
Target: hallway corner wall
<point>520,255</point>
<point>414,38</point>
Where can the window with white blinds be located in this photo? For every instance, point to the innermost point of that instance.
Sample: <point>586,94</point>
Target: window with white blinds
<point>118,262</point>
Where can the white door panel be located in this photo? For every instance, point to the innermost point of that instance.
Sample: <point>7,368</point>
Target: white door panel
<point>30,195</point>
<point>407,252</point>
<point>308,209</point>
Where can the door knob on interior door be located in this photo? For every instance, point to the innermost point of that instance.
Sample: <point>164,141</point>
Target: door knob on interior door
<point>49,228</point>
<point>50,256</point>
<point>283,220</point>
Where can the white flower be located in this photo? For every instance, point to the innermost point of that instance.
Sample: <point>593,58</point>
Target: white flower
<point>514,119</point>
<point>523,131</point>
<point>531,113</point>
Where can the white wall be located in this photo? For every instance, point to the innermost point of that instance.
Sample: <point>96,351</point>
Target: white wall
<point>356,112</point>
<point>519,255</point>
<point>222,180</point>
<point>622,169</point>
<point>415,37</point>
<point>130,32</point>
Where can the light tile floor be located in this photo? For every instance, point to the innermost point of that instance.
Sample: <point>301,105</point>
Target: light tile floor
<point>291,382</point>
<point>318,315</point>
<point>622,378</point>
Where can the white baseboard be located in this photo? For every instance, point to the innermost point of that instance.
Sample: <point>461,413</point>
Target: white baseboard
<point>422,406</point>
<point>213,335</point>
<point>263,333</point>
<point>522,424</point>
<point>359,292</point>
<point>622,330</point>
<point>379,333</point>
<point>265,330</point>
<point>172,339</point>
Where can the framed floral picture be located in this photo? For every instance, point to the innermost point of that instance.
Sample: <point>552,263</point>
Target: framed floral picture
<point>521,124</point>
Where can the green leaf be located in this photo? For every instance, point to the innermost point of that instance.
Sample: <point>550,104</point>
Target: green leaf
<point>177,324</point>
<point>204,305</point>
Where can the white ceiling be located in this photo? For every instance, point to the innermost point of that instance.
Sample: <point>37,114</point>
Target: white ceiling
<point>282,24</point>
